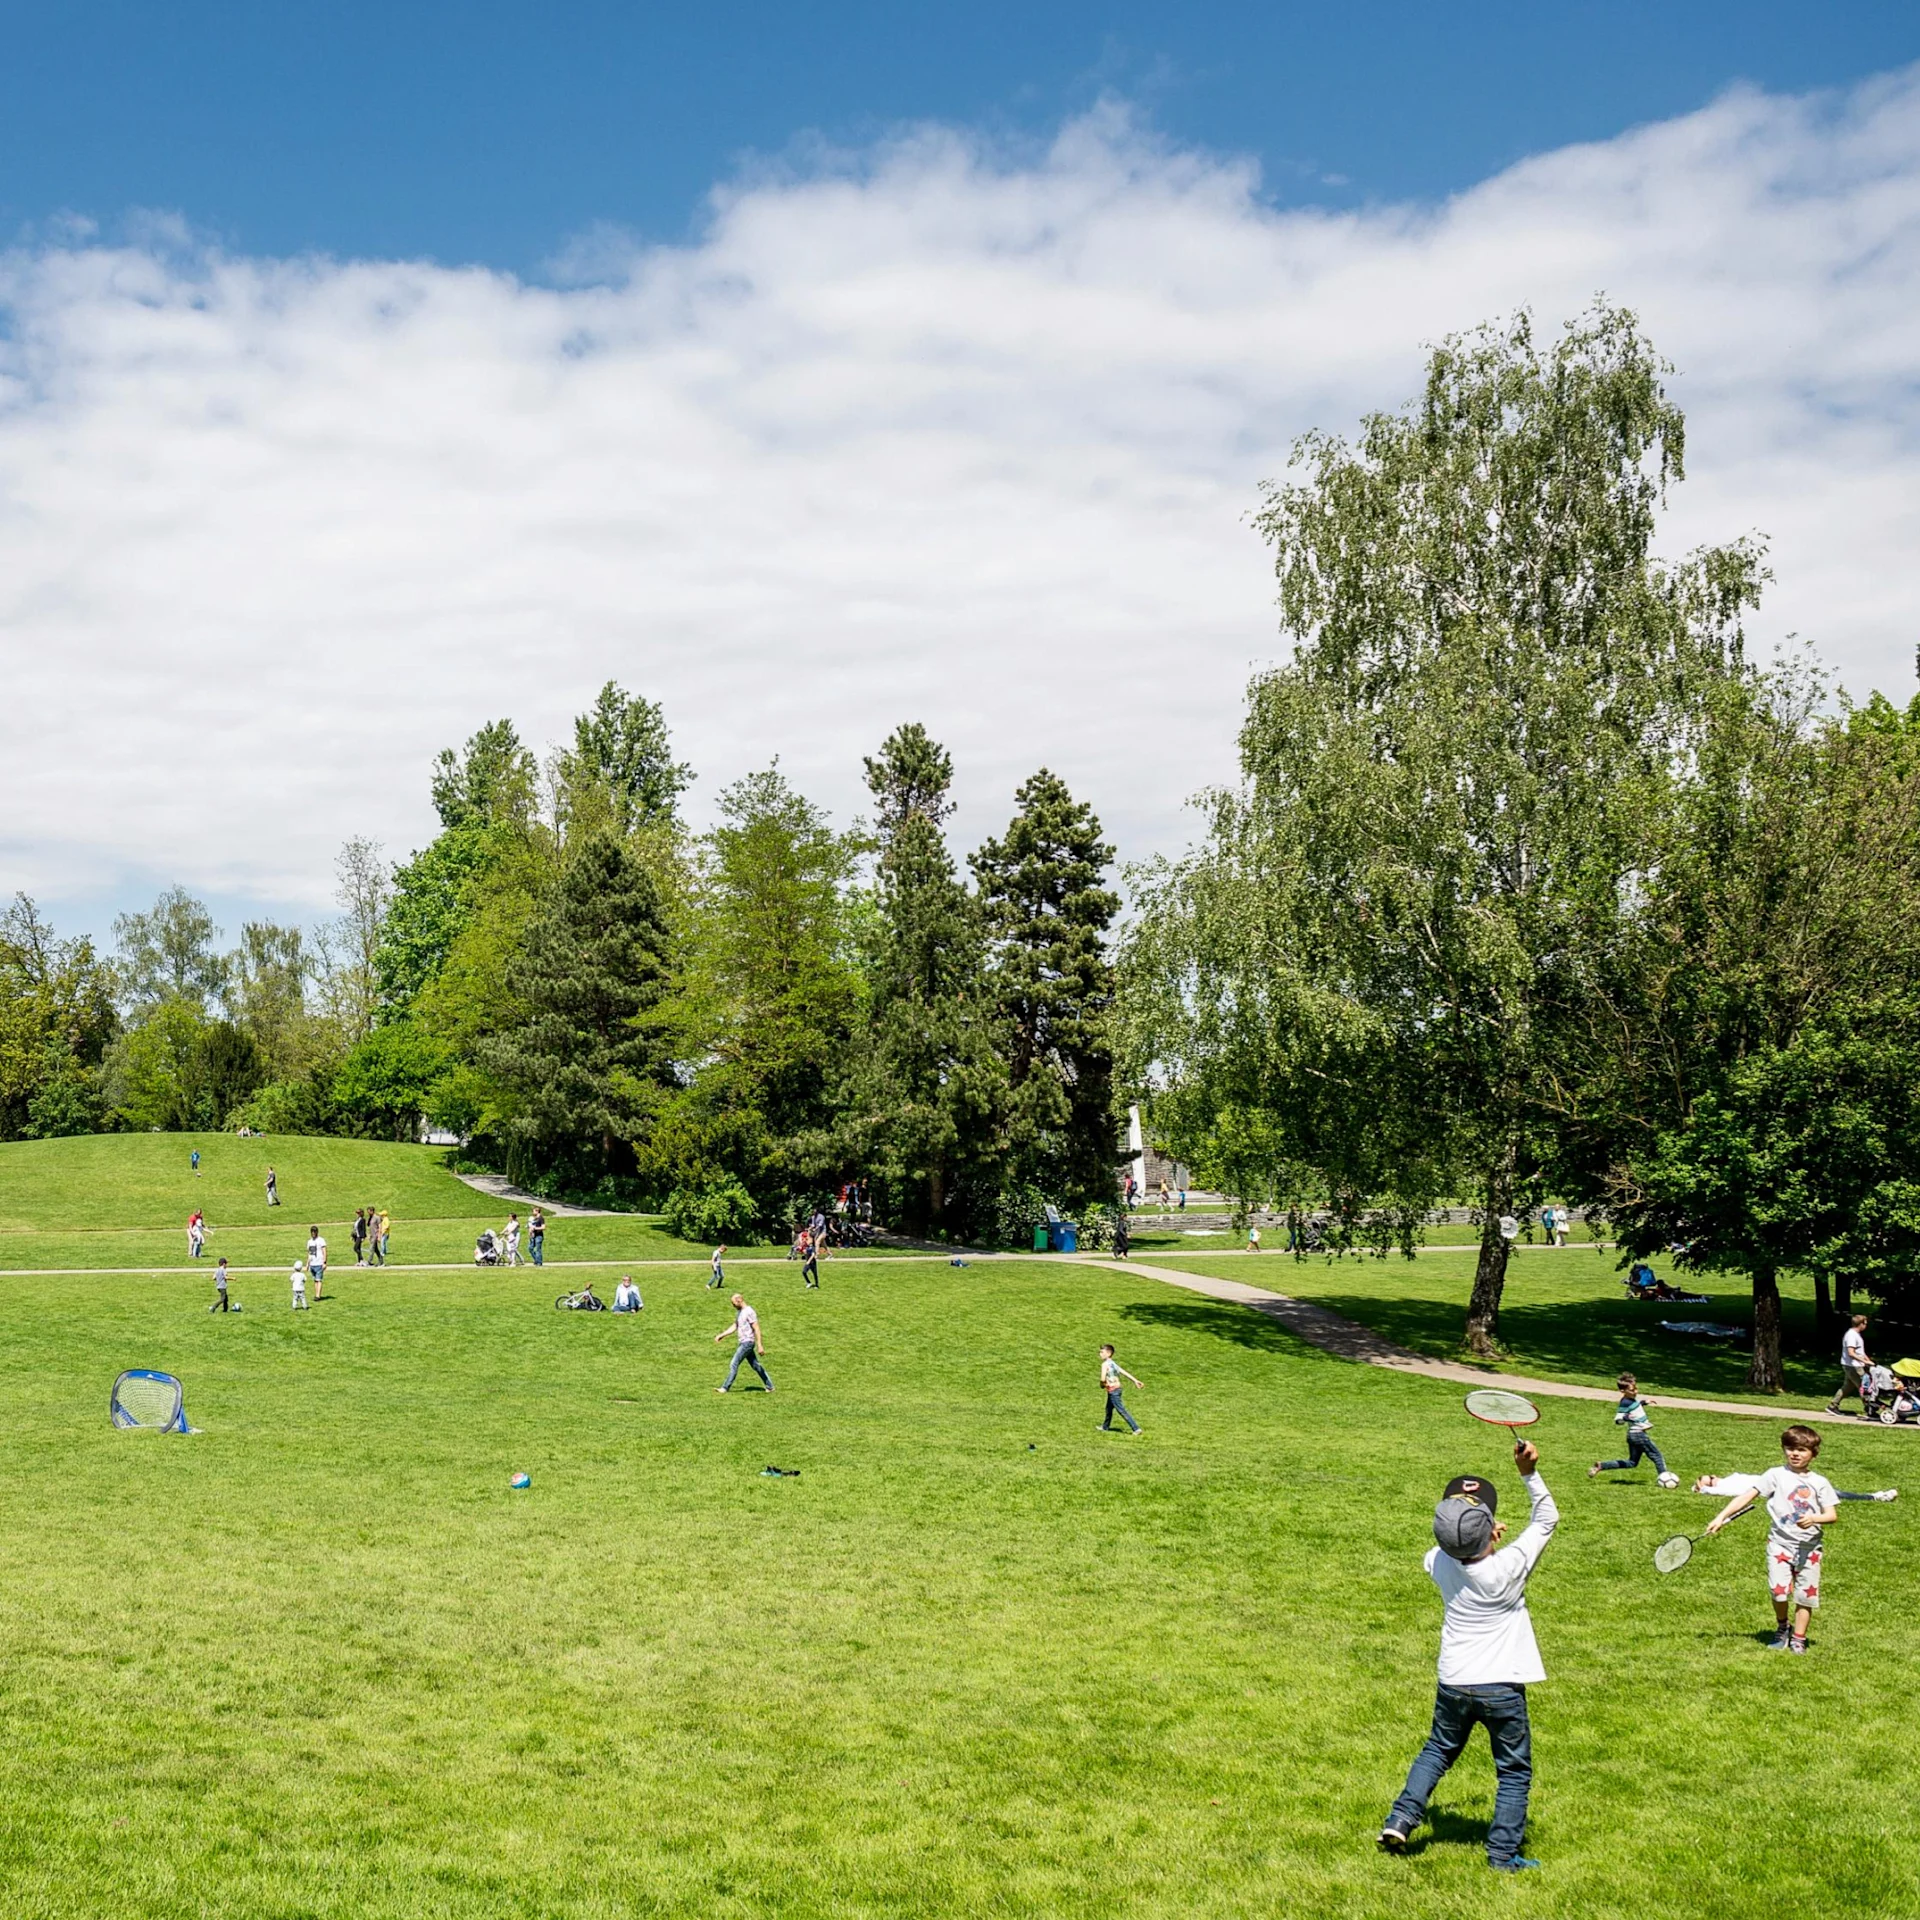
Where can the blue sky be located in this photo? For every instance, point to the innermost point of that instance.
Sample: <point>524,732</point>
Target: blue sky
<point>367,375</point>
<point>490,132</point>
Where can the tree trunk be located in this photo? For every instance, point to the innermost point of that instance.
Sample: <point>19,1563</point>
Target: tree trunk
<point>1822,1303</point>
<point>1843,1297</point>
<point>1765,1375</point>
<point>1490,1275</point>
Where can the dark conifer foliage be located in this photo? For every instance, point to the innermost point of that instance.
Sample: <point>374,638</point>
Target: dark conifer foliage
<point>1047,916</point>
<point>582,1066</point>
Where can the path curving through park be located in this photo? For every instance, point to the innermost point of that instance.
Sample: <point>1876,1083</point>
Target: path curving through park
<point>1346,1339</point>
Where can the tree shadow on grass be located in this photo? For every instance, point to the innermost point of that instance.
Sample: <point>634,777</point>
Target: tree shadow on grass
<point>1243,1326</point>
<point>1600,1337</point>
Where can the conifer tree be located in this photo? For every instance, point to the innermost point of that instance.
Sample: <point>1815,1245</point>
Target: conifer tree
<point>583,1065</point>
<point>1047,915</point>
<point>928,1089</point>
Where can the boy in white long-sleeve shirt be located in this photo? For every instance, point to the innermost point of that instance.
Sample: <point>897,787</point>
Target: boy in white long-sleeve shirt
<point>1488,1656</point>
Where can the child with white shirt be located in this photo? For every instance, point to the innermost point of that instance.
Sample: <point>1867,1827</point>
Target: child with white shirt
<point>1799,1503</point>
<point>1488,1656</point>
<point>299,1278</point>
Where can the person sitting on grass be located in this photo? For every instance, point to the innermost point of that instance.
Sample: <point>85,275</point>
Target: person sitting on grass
<point>1488,1656</point>
<point>626,1296</point>
<point>1633,1415</point>
<point>1799,1503</point>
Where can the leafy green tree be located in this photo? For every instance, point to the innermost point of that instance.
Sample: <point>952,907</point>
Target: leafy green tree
<point>585,1062</point>
<point>181,1072</point>
<point>1450,793</point>
<point>1747,1083</point>
<point>923,1103</point>
<point>169,953</point>
<point>492,781</point>
<point>390,1079</point>
<point>265,991</point>
<point>621,772</point>
<point>1047,915</point>
<point>56,1019</point>
<point>767,1002</point>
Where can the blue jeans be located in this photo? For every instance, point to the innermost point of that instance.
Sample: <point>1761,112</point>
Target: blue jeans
<point>1116,1405</point>
<point>744,1352</point>
<point>1503,1712</point>
<point>1637,1444</point>
<point>537,1246</point>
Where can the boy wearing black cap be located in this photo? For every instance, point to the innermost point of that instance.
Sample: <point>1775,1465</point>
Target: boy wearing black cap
<point>1488,1656</point>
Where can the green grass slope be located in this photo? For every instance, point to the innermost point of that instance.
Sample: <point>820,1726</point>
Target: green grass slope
<point>979,1659</point>
<point>118,1180</point>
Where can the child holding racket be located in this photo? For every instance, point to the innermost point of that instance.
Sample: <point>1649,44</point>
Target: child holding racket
<point>1799,1503</point>
<point>1488,1655</point>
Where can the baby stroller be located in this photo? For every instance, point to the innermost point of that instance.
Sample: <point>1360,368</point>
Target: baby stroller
<point>487,1251</point>
<point>1891,1395</point>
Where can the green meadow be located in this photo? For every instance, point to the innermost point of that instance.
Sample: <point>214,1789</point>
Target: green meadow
<point>978,1658</point>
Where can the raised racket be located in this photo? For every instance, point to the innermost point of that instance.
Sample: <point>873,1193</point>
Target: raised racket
<point>1498,1408</point>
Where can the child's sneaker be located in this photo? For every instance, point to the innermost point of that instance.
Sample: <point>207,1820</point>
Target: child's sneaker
<point>1796,1645</point>
<point>1392,1840</point>
<point>1594,1469</point>
<point>1518,1864</point>
<point>1780,1641</point>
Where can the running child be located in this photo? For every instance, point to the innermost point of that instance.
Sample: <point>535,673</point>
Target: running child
<point>1111,1374</point>
<point>1799,1503</point>
<point>810,1258</point>
<point>1633,1415</point>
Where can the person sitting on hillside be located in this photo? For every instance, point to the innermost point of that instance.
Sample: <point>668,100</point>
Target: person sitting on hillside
<point>626,1296</point>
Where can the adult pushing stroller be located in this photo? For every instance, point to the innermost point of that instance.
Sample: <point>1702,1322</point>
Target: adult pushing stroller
<point>487,1250</point>
<point>1891,1395</point>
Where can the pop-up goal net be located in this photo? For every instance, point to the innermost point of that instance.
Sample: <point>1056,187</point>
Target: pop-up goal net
<point>143,1398</point>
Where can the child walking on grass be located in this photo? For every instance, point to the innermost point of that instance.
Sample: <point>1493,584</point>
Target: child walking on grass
<point>1799,1503</point>
<point>1633,1415</point>
<point>1111,1374</point>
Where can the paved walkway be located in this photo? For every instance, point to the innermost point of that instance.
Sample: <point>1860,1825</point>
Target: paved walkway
<point>502,1188</point>
<point>1348,1340</point>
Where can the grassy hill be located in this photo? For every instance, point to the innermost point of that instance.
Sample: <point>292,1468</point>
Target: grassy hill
<point>978,1659</point>
<point>145,1180</point>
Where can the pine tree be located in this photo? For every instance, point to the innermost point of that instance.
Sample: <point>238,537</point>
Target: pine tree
<point>1047,916</point>
<point>928,1089</point>
<point>583,1064</point>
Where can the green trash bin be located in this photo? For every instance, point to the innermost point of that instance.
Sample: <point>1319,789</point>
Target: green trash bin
<point>1040,1240</point>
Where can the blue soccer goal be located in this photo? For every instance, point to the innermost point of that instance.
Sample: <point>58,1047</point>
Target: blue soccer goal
<point>156,1401</point>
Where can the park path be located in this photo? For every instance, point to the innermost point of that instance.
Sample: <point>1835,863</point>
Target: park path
<point>501,1188</point>
<point>1347,1340</point>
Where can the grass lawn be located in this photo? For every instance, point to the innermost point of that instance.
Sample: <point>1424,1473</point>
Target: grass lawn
<point>121,1201</point>
<point>979,1659</point>
<point>1564,1316</point>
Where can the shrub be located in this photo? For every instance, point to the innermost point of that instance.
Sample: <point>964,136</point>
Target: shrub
<point>720,1210</point>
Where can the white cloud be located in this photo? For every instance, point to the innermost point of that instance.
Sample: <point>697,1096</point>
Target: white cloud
<point>939,435</point>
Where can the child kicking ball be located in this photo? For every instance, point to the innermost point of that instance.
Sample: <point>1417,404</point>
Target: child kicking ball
<point>1633,1415</point>
<point>1799,1503</point>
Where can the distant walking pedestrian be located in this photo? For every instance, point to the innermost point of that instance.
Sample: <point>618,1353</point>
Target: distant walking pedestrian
<point>1853,1364</point>
<point>386,1233</point>
<point>273,1188</point>
<point>196,1163</point>
<point>537,1237</point>
<point>513,1239</point>
<point>220,1303</point>
<point>359,1237</point>
<point>810,1259</point>
<point>718,1276</point>
<point>745,1331</point>
<point>1111,1374</point>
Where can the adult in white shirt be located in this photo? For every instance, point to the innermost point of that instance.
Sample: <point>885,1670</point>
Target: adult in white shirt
<point>745,1332</point>
<point>1488,1656</point>
<point>1853,1364</point>
<point>317,1259</point>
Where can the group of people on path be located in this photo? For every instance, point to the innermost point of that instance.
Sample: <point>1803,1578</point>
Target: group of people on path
<point>371,1230</point>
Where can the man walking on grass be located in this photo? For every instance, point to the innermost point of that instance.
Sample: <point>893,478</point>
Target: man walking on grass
<point>1488,1656</point>
<point>746,1336</point>
<point>1853,1365</point>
